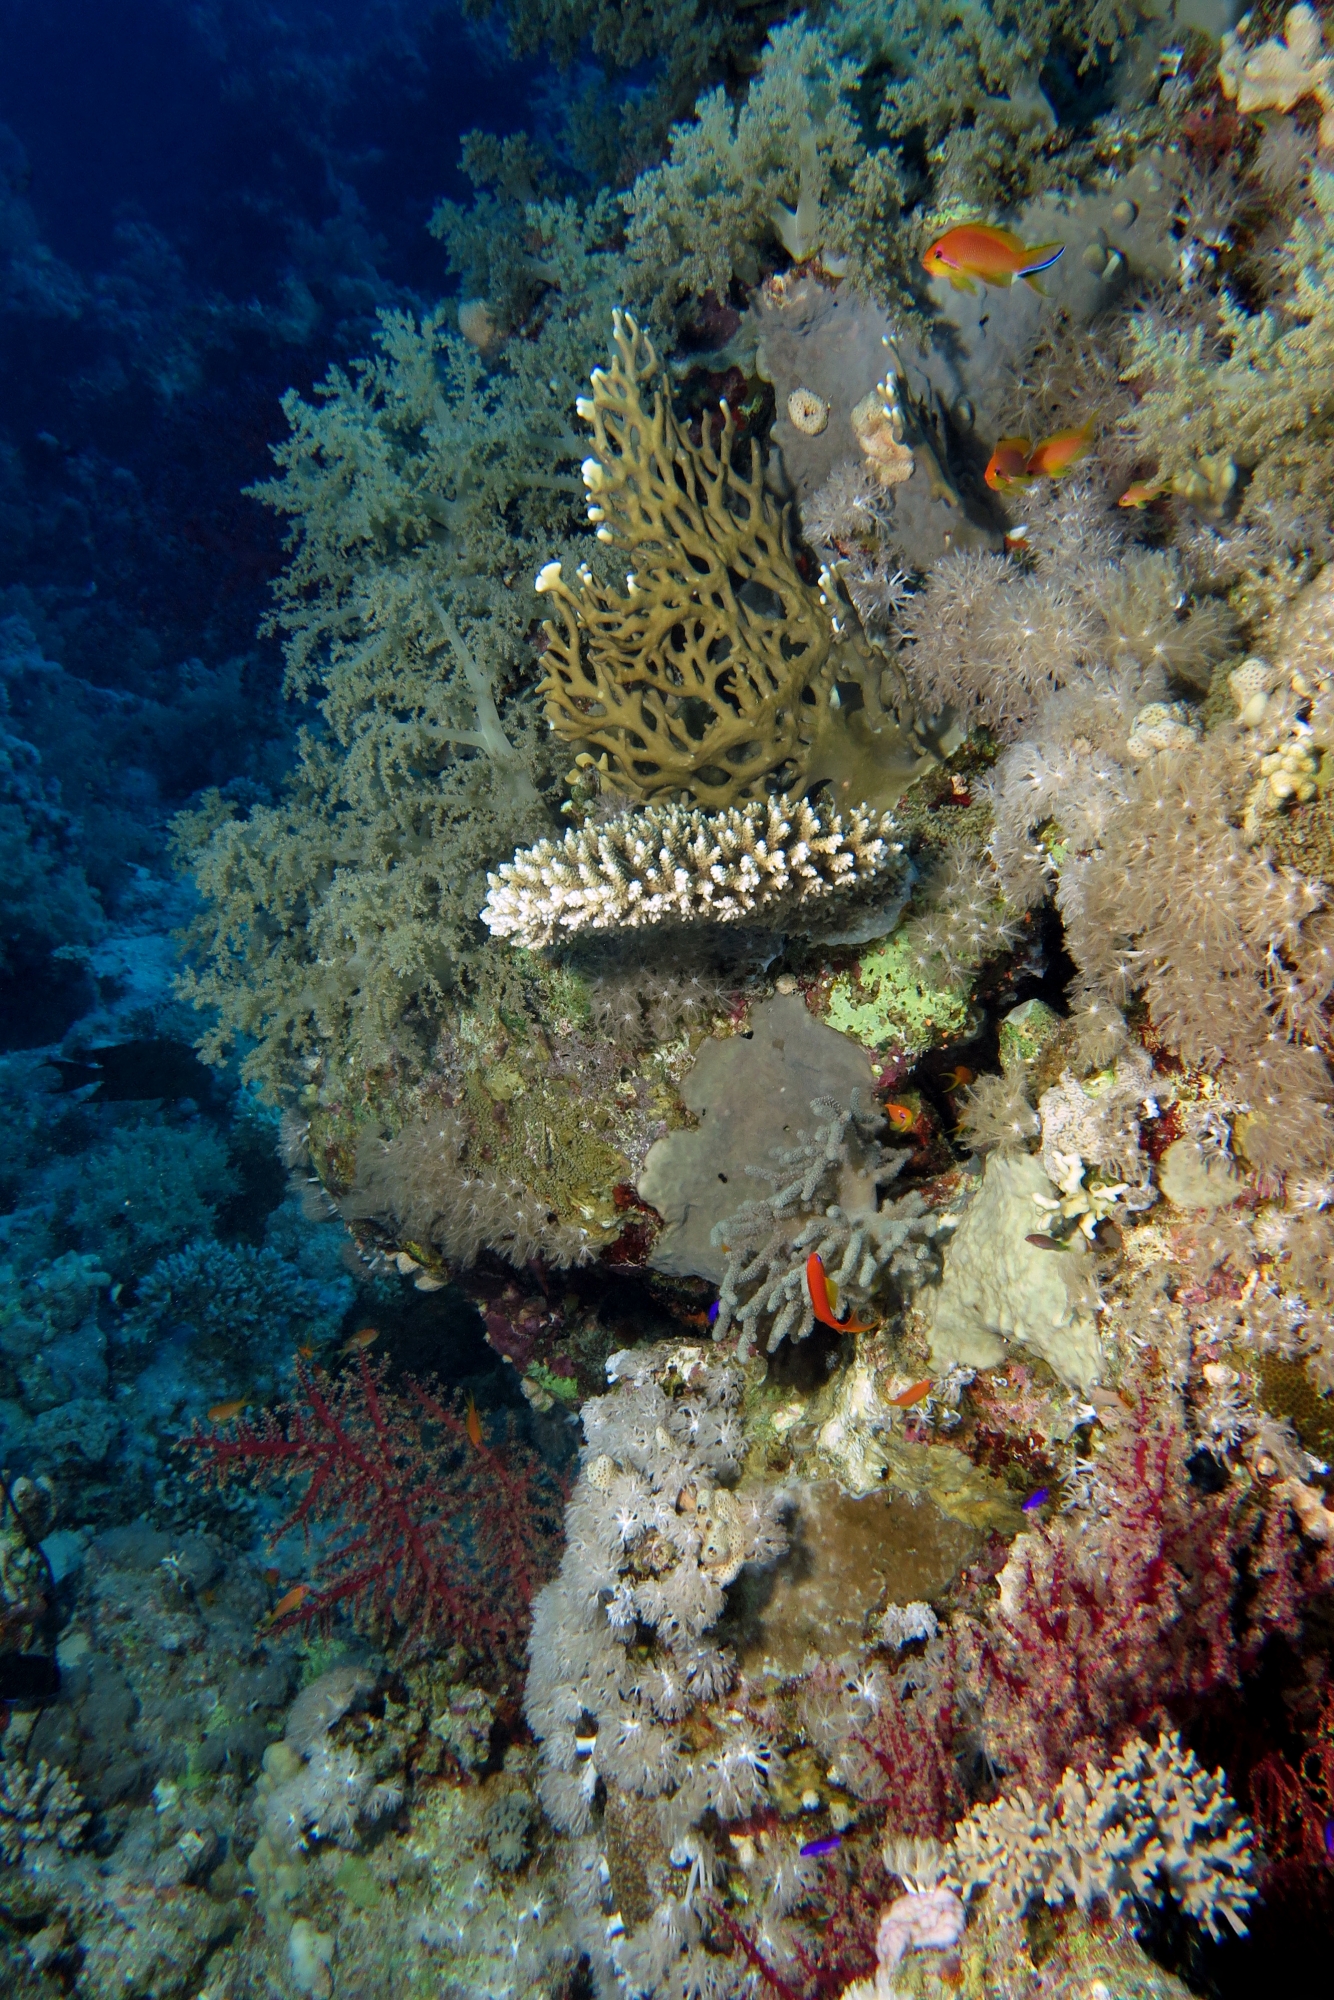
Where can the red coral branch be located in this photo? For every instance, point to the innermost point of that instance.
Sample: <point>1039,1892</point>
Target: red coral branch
<point>1125,1623</point>
<point>422,1532</point>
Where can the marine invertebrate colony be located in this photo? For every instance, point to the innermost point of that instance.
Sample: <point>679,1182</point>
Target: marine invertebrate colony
<point>710,674</point>
<point>755,862</point>
<point>1155,1820</point>
<point>428,1533</point>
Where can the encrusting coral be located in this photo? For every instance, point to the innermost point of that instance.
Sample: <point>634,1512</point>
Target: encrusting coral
<point>763,861</point>
<point>711,673</point>
<point>1154,1822</point>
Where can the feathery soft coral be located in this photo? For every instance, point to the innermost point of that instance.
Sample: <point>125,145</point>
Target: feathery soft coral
<point>423,1532</point>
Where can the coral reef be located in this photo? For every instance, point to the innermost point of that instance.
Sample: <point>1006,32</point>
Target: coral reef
<point>1001,1289</point>
<point>429,1533</point>
<point>1154,1823</point>
<point>413,485</point>
<point>38,1807</point>
<point>666,865</point>
<point>826,1202</point>
<point>711,672</point>
<point>653,1537</point>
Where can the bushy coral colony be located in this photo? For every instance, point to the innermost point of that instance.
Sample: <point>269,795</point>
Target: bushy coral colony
<point>775,1442</point>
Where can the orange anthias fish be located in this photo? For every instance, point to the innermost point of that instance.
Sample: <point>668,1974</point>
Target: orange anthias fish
<point>818,1287</point>
<point>1008,465</point>
<point>996,256</point>
<point>901,1117</point>
<point>472,1423</point>
<point>1016,463</point>
<point>1056,454</point>
<point>222,1413</point>
<point>362,1338</point>
<point>1142,493</point>
<point>293,1600</point>
<point>958,1077</point>
<point>907,1397</point>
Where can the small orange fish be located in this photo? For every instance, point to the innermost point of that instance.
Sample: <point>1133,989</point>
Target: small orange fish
<point>362,1338</point>
<point>222,1413</point>
<point>306,1353</point>
<point>1007,468</point>
<point>818,1287</point>
<point>1056,454</point>
<point>1142,493</point>
<point>272,1576</point>
<point>901,1117</point>
<point>292,1601</point>
<point>996,256</point>
<point>907,1397</point>
<point>472,1423</point>
<point>958,1077</point>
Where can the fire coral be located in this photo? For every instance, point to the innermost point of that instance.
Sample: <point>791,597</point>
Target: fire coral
<point>424,1533</point>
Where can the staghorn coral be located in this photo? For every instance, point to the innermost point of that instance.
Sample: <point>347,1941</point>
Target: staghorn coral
<point>762,861</point>
<point>826,1201</point>
<point>234,1296</point>
<point>711,673</point>
<point>37,1807</point>
<point>1155,1824</point>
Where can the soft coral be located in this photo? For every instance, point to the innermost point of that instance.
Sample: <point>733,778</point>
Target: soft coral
<point>426,1533</point>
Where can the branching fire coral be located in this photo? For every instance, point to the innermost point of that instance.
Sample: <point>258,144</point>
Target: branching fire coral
<point>711,673</point>
<point>427,1535</point>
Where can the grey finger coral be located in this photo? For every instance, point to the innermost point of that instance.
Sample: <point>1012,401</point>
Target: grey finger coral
<point>826,1202</point>
<point>36,1807</point>
<point>1156,1823</point>
<point>668,864</point>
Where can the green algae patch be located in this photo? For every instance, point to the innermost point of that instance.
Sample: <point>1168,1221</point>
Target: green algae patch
<point>357,1883</point>
<point>885,1003</point>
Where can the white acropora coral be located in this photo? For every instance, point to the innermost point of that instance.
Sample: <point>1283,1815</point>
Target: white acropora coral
<point>1155,1823</point>
<point>652,1540</point>
<point>672,864</point>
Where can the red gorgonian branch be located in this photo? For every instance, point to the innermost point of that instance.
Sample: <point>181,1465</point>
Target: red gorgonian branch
<point>423,1532</point>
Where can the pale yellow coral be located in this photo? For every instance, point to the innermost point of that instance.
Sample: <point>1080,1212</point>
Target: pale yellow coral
<point>1280,73</point>
<point>807,412</point>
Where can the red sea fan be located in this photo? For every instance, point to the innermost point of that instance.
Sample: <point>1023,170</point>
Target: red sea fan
<point>423,1532</point>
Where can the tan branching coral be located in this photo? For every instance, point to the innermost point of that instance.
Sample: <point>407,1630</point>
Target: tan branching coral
<point>670,865</point>
<point>710,672</point>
